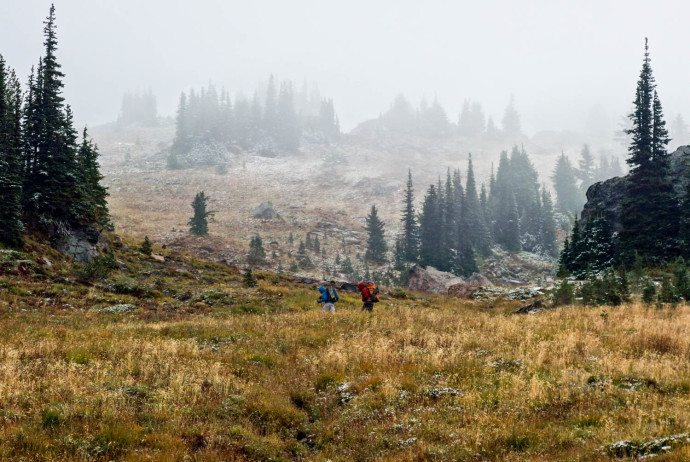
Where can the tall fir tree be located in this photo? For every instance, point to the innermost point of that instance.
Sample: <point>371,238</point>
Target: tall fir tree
<point>568,196</point>
<point>96,194</point>
<point>376,243</point>
<point>477,229</point>
<point>287,129</point>
<point>11,161</point>
<point>52,193</point>
<point>410,228</point>
<point>548,240</point>
<point>585,172</point>
<point>504,208</point>
<point>429,225</point>
<point>649,212</point>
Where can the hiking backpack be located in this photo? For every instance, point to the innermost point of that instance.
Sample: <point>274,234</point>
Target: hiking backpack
<point>373,292</point>
<point>332,295</point>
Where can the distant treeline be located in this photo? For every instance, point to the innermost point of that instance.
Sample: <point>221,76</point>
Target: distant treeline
<point>138,108</point>
<point>49,182</point>
<point>571,183</point>
<point>457,223</point>
<point>431,120</point>
<point>209,125</point>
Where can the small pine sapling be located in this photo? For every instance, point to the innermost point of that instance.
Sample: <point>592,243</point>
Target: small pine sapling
<point>146,246</point>
<point>248,279</point>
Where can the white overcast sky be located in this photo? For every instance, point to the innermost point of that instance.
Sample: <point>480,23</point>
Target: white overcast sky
<point>558,58</point>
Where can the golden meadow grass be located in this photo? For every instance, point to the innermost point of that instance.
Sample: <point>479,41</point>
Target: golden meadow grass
<point>205,369</point>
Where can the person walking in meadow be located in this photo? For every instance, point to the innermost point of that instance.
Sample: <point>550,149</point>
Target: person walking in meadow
<point>370,295</point>
<point>329,296</point>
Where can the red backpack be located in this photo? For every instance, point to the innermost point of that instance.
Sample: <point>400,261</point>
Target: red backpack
<point>373,292</point>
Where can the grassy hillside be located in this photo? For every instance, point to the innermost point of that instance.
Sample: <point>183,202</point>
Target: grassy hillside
<point>174,359</point>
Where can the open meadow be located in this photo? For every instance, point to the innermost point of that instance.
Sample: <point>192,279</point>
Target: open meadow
<point>177,359</point>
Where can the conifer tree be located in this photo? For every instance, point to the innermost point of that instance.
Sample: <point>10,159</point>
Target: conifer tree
<point>146,246</point>
<point>568,195</point>
<point>548,240</point>
<point>429,225</point>
<point>347,269</point>
<point>95,193</point>
<point>376,244</point>
<point>199,222</point>
<point>11,162</point>
<point>585,172</point>
<point>257,254</point>
<point>52,193</point>
<point>649,212</point>
<point>506,219</point>
<point>477,229</point>
<point>410,229</point>
<point>270,120</point>
<point>183,136</point>
<point>286,130</point>
<point>248,279</point>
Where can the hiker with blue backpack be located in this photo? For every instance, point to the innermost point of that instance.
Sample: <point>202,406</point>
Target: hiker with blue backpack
<point>329,296</point>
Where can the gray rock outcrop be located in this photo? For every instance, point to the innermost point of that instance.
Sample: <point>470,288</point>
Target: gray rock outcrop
<point>467,288</point>
<point>80,244</point>
<point>429,279</point>
<point>265,211</point>
<point>607,196</point>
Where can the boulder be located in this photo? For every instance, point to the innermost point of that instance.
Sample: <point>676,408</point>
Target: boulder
<point>429,279</point>
<point>80,244</point>
<point>480,280</point>
<point>265,211</point>
<point>347,287</point>
<point>467,288</point>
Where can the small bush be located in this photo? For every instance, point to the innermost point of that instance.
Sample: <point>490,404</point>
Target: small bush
<point>98,268</point>
<point>248,279</point>
<point>146,246</point>
<point>564,294</point>
<point>328,380</point>
<point>648,293</point>
<point>51,417</point>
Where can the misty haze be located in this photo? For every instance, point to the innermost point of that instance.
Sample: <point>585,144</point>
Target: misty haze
<point>359,231</point>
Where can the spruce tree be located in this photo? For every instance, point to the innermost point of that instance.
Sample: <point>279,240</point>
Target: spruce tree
<point>183,136</point>
<point>649,212</point>
<point>96,204</point>
<point>548,239</point>
<point>53,198</point>
<point>504,208</point>
<point>146,246</point>
<point>257,254</point>
<point>585,172</point>
<point>287,129</point>
<point>198,224</point>
<point>410,229</point>
<point>429,225</point>
<point>376,243</point>
<point>11,161</point>
<point>477,229</point>
<point>568,196</point>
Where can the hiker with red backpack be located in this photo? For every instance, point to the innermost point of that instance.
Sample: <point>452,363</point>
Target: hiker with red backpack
<point>370,295</point>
